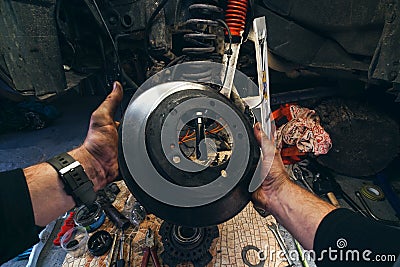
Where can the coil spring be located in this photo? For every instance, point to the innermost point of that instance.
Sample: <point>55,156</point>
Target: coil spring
<point>235,16</point>
<point>201,41</point>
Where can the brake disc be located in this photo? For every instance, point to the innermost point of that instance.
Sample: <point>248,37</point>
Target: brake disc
<point>187,153</point>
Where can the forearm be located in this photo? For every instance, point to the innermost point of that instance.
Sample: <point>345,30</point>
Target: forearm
<point>49,200</point>
<point>298,210</point>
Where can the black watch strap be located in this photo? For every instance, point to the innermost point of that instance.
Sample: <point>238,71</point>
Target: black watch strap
<point>76,183</point>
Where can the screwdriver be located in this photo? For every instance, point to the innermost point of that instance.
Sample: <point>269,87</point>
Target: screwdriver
<point>121,261</point>
<point>130,252</point>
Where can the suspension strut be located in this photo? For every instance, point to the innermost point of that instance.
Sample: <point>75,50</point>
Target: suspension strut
<point>235,17</point>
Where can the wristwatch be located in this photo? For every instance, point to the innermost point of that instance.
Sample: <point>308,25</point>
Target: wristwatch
<point>76,183</point>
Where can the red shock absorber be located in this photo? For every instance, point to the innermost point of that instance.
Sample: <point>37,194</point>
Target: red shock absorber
<point>235,16</point>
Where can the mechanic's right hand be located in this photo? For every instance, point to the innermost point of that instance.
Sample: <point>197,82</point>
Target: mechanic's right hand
<point>272,169</point>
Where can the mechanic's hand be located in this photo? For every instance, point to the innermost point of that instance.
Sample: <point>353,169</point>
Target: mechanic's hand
<point>99,153</point>
<point>272,169</point>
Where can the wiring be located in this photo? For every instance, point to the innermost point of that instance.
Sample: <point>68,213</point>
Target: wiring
<point>119,73</point>
<point>190,135</point>
<point>227,52</point>
<point>63,33</point>
<point>108,33</point>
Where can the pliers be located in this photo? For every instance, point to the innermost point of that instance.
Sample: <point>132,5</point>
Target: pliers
<point>150,249</point>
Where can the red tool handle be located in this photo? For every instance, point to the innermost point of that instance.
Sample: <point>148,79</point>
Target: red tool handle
<point>68,224</point>
<point>153,252</point>
<point>146,257</point>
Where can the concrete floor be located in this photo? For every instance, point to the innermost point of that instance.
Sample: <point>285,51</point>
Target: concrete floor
<point>21,149</point>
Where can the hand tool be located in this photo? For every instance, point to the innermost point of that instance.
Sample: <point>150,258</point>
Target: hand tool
<point>323,182</point>
<point>275,230</point>
<point>130,251</point>
<point>120,262</point>
<point>298,174</point>
<point>337,189</point>
<point>325,187</point>
<point>119,220</point>
<point>353,204</point>
<point>99,243</point>
<point>372,215</point>
<point>68,224</point>
<point>150,249</point>
<point>112,190</point>
<point>24,255</point>
<point>261,47</point>
<point>111,253</point>
<point>303,260</point>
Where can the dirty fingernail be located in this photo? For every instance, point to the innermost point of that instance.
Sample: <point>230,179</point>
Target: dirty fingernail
<point>115,86</point>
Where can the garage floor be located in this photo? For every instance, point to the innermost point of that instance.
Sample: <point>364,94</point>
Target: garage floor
<point>21,149</point>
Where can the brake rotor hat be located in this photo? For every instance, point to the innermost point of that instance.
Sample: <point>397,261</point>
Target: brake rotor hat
<point>186,152</point>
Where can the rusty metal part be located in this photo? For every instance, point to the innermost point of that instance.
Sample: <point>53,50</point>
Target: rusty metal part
<point>299,175</point>
<point>187,244</point>
<point>371,214</point>
<point>257,250</point>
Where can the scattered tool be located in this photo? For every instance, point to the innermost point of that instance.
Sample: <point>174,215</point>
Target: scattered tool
<point>99,243</point>
<point>258,251</point>
<point>303,260</point>
<point>110,255</point>
<point>371,214</point>
<point>120,261</point>
<point>372,192</point>
<point>68,224</point>
<point>24,255</point>
<point>298,174</point>
<point>323,184</point>
<point>339,191</point>
<point>275,230</point>
<point>324,174</point>
<point>130,252</point>
<point>150,249</point>
<point>325,187</point>
<point>112,190</point>
<point>91,217</point>
<point>119,220</point>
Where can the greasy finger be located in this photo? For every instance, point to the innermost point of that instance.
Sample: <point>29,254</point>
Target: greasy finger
<point>112,101</point>
<point>262,139</point>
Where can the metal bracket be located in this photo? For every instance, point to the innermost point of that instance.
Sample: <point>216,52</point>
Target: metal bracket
<point>258,35</point>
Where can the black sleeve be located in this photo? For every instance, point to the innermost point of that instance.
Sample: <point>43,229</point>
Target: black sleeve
<point>17,221</point>
<point>345,238</point>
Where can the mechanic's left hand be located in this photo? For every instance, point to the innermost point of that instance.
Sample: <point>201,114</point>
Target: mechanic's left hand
<point>99,153</point>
